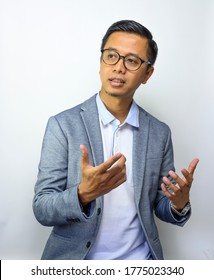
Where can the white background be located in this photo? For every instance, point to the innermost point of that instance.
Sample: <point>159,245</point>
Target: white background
<point>49,61</point>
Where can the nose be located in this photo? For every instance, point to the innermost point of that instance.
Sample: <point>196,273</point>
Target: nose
<point>119,66</point>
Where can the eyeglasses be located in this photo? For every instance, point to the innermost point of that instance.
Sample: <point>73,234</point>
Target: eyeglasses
<point>131,62</point>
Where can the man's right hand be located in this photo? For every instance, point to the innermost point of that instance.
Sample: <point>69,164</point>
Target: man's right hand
<point>99,180</point>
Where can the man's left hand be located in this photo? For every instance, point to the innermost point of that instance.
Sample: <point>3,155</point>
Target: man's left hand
<point>179,193</point>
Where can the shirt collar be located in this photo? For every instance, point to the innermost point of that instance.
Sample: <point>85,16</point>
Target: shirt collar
<point>106,117</point>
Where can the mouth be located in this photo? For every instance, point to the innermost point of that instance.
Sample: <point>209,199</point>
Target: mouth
<point>116,82</point>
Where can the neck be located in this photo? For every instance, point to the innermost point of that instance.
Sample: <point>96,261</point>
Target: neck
<point>117,106</point>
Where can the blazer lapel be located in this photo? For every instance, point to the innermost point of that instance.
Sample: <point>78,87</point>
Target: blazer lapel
<point>140,142</point>
<point>90,118</point>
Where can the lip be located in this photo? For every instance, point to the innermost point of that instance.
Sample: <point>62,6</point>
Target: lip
<point>116,81</point>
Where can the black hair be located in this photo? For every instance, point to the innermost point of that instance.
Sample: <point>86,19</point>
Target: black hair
<point>132,26</point>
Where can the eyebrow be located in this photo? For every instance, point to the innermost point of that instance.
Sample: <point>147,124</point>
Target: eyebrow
<point>114,49</point>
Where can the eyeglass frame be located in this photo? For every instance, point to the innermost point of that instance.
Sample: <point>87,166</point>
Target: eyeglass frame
<point>123,57</point>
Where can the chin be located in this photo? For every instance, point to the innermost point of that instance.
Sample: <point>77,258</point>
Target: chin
<point>119,95</point>
<point>113,94</point>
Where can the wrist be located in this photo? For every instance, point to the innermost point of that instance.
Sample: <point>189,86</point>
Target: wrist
<point>183,211</point>
<point>83,197</point>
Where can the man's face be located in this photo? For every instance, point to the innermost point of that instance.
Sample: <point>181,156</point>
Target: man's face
<point>116,79</point>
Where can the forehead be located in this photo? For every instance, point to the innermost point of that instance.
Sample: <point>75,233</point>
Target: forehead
<point>126,43</point>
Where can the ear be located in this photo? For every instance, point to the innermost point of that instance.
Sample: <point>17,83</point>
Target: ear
<point>148,75</point>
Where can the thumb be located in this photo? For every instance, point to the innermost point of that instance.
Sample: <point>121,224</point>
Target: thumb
<point>85,158</point>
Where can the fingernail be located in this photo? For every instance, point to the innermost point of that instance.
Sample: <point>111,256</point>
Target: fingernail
<point>118,154</point>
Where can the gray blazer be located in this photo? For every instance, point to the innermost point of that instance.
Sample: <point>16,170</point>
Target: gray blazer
<point>56,200</point>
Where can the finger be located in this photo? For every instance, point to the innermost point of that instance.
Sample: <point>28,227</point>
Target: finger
<point>85,157</point>
<point>109,163</point>
<point>118,168</point>
<point>119,164</point>
<point>193,165</point>
<point>188,177</point>
<point>188,174</point>
<point>166,191</point>
<point>118,178</point>
<point>120,182</point>
<point>177,179</point>
<point>169,184</point>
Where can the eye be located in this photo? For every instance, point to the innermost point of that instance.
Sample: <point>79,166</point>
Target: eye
<point>132,60</point>
<point>112,56</point>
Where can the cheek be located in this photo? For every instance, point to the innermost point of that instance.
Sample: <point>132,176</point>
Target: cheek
<point>103,73</point>
<point>137,80</point>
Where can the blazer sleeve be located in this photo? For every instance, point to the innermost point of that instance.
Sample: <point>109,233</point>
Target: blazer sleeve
<point>162,208</point>
<point>56,200</point>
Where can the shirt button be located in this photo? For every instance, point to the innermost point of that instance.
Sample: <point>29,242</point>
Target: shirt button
<point>98,211</point>
<point>88,244</point>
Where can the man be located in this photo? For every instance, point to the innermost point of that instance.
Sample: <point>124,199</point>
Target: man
<point>106,165</point>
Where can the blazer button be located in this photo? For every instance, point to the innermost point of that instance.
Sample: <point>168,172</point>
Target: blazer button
<point>88,244</point>
<point>69,220</point>
<point>98,211</point>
